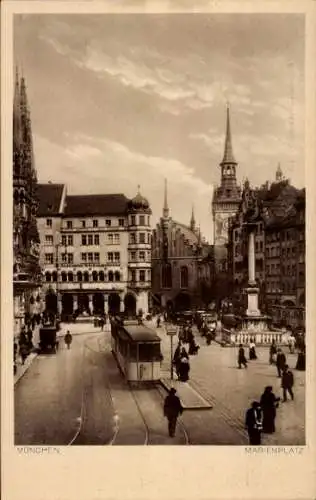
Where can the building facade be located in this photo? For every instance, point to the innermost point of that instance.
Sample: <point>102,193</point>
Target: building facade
<point>182,264</point>
<point>26,270</point>
<point>95,252</point>
<point>279,247</point>
<point>285,265</point>
<point>226,200</point>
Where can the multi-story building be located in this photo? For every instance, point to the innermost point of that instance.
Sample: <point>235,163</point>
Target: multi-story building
<point>279,245</point>
<point>226,200</point>
<point>26,270</point>
<point>182,264</point>
<point>95,251</point>
<point>285,263</point>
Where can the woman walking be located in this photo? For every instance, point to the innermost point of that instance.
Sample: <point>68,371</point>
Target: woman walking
<point>269,403</point>
<point>252,350</point>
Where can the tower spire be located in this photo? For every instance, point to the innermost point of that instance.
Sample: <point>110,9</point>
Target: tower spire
<point>27,137</point>
<point>228,157</point>
<point>165,211</point>
<point>17,128</point>
<point>192,221</point>
<point>279,173</point>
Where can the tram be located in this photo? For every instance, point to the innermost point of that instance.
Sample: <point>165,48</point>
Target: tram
<point>136,349</point>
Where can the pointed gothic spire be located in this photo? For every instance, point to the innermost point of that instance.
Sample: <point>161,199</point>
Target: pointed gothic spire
<point>17,128</point>
<point>165,211</point>
<point>27,136</point>
<point>192,221</point>
<point>279,173</point>
<point>228,151</point>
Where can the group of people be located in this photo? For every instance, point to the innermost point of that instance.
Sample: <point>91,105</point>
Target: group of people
<point>242,360</point>
<point>260,417</point>
<point>181,355</point>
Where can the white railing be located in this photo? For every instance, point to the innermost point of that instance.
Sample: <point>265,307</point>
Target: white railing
<point>260,338</point>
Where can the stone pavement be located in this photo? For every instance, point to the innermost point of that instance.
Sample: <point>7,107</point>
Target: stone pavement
<point>215,376</point>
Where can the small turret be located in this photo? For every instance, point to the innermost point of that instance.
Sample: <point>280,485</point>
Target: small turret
<point>165,211</point>
<point>192,221</point>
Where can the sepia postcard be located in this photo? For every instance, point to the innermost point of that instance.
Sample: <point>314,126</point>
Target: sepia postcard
<point>158,268</point>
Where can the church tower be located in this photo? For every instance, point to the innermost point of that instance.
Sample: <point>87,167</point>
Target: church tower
<point>227,195</point>
<point>26,269</point>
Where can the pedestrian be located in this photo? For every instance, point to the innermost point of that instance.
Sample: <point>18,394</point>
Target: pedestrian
<point>269,403</point>
<point>23,353</point>
<point>254,423</point>
<point>158,321</point>
<point>273,352</point>
<point>287,383</point>
<point>193,347</point>
<point>176,358</point>
<point>68,339</point>
<point>184,368</point>
<point>252,350</point>
<point>291,343</point>
<point>172,409</point>
<point>280,361</point>
<point>241,357</point>
<point>300,364</point>
<point>101,323</point>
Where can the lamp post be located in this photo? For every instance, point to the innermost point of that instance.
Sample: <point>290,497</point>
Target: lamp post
<point>171,332</point>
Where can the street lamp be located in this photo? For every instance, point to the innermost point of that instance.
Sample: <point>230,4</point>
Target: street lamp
<point>171,332</point>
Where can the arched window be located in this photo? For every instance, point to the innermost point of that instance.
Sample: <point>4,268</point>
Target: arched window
<point>86,276</point>
<point>79,276</point>
<point>184,277</point>
<point>63,276</point>
<point>110,275</point>
<point>101,276</point>
<point>70,276</point>
<point>94,276</point>
<point>54,275</point>
<point>117,276</point>
<point>48,277</point>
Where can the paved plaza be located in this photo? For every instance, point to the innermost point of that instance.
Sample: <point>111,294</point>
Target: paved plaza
<point>215,375</point>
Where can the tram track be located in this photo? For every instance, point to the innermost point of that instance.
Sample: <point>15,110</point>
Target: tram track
<point>153,432</point>
<point>224,412</point>
<point>83,413</point>
<point>152,435</point>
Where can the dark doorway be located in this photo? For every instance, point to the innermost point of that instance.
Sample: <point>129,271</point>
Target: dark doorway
<point>67,302</point>
<point>83,303</point>
<point>98,303</point>
<point>130,305</point>
<point>51,302</point>
<point>182,302</point>
<point>114,303</point>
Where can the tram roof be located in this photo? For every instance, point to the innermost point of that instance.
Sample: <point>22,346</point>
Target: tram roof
<point>141,333</point>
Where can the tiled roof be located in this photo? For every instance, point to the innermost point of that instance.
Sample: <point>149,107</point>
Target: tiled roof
<point>189,235</point>
<point>95,204</point>
<point>49,197</point>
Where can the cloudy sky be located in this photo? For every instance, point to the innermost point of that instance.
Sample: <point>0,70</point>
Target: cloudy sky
<point>119,100</point>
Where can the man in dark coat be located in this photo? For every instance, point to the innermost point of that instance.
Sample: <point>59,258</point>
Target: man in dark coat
<point>287,383</point>
<point>68,339</point>
<point>241,357</point>
<point>254,423</point>
<point>280,362</point>
<point>172,409</point>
